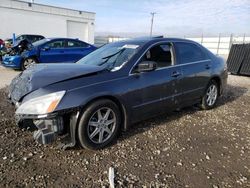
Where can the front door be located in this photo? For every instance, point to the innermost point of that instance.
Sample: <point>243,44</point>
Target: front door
<point>153,92</point>
<point>53,52</point>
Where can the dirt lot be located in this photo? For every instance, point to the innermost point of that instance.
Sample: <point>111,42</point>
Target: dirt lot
<point>6,75</point>
<point>190,148</point>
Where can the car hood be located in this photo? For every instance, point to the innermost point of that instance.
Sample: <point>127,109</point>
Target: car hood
<point>42,75</point>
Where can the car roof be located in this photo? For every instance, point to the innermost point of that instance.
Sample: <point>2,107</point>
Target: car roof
<point>61,38</point>
<point>157,39</point>
<point>30,35</point>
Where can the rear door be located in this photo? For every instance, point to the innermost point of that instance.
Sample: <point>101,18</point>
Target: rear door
<point>53,52</point>
<point>75,50</point>
<point>196,70</point>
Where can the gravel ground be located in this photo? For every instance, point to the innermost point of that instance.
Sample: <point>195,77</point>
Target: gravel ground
<point>190,148</point>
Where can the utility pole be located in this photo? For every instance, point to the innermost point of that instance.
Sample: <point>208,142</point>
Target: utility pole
<point>152,22</point>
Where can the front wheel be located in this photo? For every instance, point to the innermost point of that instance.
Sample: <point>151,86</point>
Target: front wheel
<point>28,62</point>
<point>211,96</point>
<point>99,124</point>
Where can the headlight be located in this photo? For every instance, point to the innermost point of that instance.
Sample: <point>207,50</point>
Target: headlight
<point>41,105</point>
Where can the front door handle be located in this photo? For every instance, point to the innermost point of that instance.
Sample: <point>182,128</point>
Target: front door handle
<point>176,74</point>
<point>208,66</point>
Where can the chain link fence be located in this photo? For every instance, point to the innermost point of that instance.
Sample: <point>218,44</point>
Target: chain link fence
<point>219,45</point>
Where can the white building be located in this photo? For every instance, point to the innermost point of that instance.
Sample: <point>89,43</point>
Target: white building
<point>21,17</point>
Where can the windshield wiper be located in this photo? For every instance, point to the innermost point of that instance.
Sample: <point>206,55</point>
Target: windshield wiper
<point>112,55</point>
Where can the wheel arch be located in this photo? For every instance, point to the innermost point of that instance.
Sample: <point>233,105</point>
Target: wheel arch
<point>123,109</point>
<point>217,79</point>
<point>24,58</point>
<point>32,56</point>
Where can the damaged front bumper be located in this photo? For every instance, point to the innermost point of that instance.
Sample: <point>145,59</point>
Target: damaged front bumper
<point>12,61</point>
<point>48,127</point>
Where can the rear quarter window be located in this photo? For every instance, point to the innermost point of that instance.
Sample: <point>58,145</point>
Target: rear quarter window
<point>188,52</point>
<point>76,44</point>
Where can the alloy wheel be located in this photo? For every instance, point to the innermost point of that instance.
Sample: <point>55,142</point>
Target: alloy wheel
<point>28,62</point>
<point>212,93</point>
<point>101,125</point>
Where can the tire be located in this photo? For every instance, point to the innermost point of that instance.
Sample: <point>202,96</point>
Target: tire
<point>210,96</point>
<point>26,63</point>
<point>93,123</point>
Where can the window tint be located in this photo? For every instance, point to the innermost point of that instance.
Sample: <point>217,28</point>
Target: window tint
<point>56,44</point>
<point>76,44</point>
<point>188,52</point>
<point>161,54</point>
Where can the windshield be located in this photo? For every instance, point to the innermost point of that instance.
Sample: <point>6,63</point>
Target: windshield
<point>40,42</point>
<point>113,55</point>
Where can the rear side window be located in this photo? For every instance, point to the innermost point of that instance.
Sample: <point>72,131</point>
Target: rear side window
<point>188,52</point>
<point>76,44</point>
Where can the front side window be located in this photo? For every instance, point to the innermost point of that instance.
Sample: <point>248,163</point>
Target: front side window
<point>113,55</point>
<point>161,54</point>
<point>188,52</point>
<point>56,44</point>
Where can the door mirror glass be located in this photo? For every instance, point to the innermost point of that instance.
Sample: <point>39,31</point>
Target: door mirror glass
<point>146,66</point>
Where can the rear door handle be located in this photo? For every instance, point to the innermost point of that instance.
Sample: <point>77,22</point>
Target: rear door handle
<point>176,74</point>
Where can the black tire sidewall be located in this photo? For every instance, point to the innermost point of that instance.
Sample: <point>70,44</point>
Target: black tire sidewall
<point>83,138</point>
<point>204,98</point>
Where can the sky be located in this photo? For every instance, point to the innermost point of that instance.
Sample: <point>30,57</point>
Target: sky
<point>173,17</point>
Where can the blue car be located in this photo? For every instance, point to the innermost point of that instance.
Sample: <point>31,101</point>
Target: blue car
<point>49,50</point>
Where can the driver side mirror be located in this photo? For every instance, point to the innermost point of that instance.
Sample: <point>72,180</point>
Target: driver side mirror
<point>146,66</point>
<point>46,48</point>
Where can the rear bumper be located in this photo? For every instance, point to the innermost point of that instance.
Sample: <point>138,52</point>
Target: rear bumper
<point>224,77</point>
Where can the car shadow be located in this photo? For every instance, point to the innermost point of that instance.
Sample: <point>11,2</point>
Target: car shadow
<point>230,94</point>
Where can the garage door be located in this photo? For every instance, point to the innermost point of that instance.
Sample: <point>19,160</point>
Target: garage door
<point>77,30</point>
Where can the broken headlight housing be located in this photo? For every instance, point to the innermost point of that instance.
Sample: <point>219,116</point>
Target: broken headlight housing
<point>41,105</point>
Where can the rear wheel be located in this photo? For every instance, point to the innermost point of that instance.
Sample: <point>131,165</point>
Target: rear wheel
<point>28,62</point>
<point>99,124</point>
<point>211,95</point>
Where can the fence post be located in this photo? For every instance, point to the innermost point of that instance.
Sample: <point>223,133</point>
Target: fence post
<point>244,38</point>
<point>230,42</point>
<point>218,46</point>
